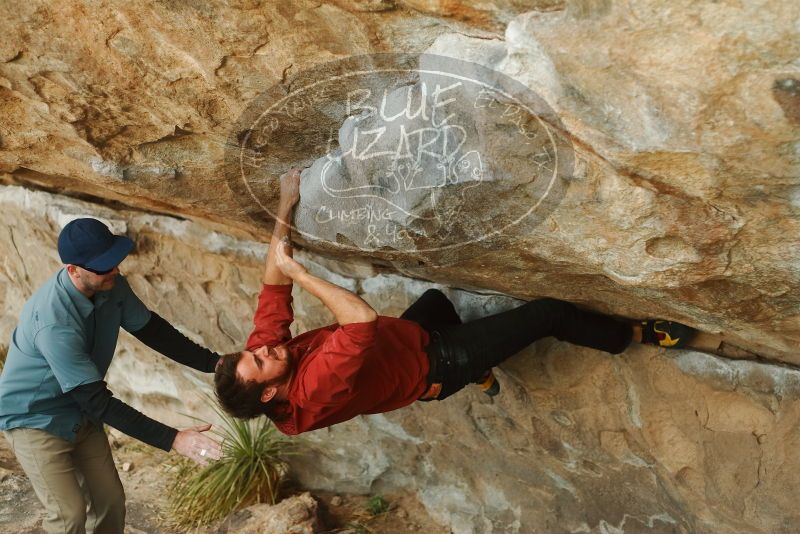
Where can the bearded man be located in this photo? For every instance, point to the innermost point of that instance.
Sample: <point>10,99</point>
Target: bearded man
<point>367,363</point>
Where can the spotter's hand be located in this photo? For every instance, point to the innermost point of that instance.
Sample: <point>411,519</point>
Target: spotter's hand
<point>196,446</point>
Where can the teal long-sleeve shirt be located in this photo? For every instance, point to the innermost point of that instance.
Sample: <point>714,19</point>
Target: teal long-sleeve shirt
<point>63,340</point>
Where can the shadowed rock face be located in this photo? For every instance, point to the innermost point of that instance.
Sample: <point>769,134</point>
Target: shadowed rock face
<point>682,201</point>
<point>577,440</point>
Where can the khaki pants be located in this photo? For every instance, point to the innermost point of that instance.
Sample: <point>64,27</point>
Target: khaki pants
<point>76,482</point>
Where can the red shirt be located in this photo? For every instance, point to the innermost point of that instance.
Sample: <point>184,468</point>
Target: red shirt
<point>342,371</point>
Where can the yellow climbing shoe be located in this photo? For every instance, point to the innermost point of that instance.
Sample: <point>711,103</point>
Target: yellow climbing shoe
<point>667,334</point>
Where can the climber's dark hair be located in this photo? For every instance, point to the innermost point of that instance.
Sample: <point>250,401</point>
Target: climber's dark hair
<point>242,399</point>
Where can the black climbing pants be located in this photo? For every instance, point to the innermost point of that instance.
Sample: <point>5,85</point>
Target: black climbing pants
<point>461,353</point>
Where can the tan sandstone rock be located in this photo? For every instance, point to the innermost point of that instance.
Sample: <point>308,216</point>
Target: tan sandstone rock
<point>295,515</point>
<point>683,202</point>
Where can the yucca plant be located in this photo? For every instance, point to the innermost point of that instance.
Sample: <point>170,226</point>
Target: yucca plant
<point>251,470</point>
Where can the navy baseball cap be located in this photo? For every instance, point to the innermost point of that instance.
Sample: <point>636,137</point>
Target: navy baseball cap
<point>89,243</point>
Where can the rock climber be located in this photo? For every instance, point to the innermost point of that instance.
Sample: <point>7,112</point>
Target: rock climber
<point>367,363</point>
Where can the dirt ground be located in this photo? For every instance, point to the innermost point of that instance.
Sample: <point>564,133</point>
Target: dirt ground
<point>146,481</point>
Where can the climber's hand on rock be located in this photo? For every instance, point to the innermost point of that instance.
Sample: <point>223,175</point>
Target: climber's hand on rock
<point>196,446</point>
<point>288,265</point>
<point>290,187</point>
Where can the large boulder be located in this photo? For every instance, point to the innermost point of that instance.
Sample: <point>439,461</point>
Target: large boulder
<point>681,200</point>
<point>683,193</point>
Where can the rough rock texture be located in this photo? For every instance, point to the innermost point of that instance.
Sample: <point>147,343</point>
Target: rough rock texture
<point>577,441</point>
<point>683,201</point>
<point>295,515</point>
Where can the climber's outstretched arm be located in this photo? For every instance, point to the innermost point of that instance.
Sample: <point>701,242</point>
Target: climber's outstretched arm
<point>290,194</point>
<point>346,306</point>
